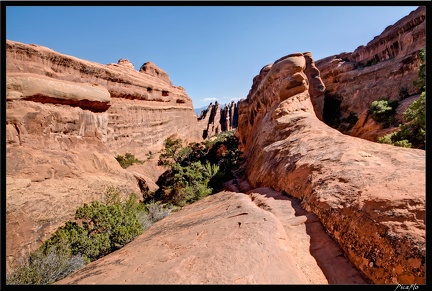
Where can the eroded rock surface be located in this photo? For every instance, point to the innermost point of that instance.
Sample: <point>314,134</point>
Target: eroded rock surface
<point>66,121</point>
<point>262,237</point>
<point>216,119</point>
<point>369,197</point>
<point>384,67</point>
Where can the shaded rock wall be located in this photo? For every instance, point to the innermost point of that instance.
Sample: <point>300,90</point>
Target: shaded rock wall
<point>386,65</point>
<point>370,197</point>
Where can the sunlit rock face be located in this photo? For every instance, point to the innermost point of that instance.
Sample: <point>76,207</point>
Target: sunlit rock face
<point>66,121</point>
<point>370,197</point>
<point>143,107</point>
<point>258,237</point>
<point>216,119</point>
<point>384,67</point>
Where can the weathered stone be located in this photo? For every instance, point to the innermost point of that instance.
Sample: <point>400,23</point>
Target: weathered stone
<point>370,197</point>
<point>227,238</point>
<point>66,121</point>
<point>385,67</point>
<point>216,119</point>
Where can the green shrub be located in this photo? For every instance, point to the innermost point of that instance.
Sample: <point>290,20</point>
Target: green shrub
<point>413,132</point>
<point>392,139</point>
<point>127,160</point>
<point>171,153</point>
<point>383,111</point>
<point>186,184</point>
<point>98,229</point>
<point>196,170</point>
<point>420,83</point>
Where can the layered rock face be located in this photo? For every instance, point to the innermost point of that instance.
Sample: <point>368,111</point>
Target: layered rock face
<point>144,107</point>
<point>385,67</point>
<point>370,197</point>
<point>66,120</point>
<point>215,119</point>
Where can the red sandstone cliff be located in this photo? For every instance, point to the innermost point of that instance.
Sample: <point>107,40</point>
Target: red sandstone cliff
<point>369,197</point>
<point>66,121</point>
<point>384,67</point>
<point>215,119</point>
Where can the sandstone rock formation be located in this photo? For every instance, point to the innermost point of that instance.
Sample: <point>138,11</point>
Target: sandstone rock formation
<point>262,237</point>
<point>143,106</point>
<point>215,119</point>
<point>66,121</point>
<point>369,197</point>
<point>314,197</point>
<point>384,67</point>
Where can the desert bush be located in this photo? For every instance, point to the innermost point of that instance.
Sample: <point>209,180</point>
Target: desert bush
<point>171,153</point>
<point>412,133</point>
<point>45,266</point>
<point>186,184</point>
<point>392,139</point>
<point>420,83</point>
<point>383,111</point>
<point>154,211</point>
<point>127,160</point>
<point>98,229</point>
<point>196,170</point>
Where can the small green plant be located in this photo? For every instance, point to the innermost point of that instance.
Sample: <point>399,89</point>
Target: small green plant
<point>383,111</point>
<point>171,153</point>
<point>127,160</point>
<point>185,184</point>
<point>100,228</point>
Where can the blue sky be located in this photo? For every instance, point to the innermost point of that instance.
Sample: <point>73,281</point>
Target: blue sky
<point>212,51</point>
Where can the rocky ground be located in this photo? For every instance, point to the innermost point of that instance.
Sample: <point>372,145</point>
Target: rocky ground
<point>258,237</point>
